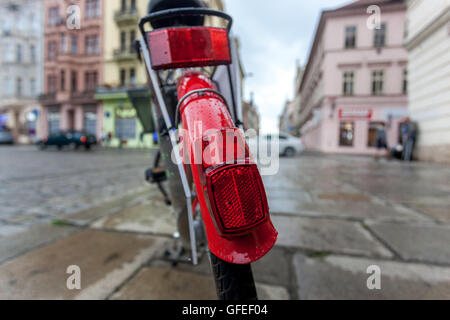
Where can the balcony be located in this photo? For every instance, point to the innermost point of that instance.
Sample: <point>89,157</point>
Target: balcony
<point>125,54</point>
<point>47,98</point>
<point>128,16</point>
<point>83,97</point>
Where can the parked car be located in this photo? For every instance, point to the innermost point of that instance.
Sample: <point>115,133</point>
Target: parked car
<point>6,138</point>
<point>289,146</point>
<point>70,138</point>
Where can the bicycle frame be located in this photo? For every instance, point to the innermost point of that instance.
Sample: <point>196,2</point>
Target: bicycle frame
<point>200,102</point>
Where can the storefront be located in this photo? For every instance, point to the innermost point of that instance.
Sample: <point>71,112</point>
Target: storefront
<point>352,130</point>
<point>121,124</point>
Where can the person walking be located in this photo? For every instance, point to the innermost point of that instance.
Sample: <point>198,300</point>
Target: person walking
<point>382,147</point>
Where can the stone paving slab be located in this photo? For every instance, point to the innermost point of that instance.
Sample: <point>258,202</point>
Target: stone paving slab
<point>36,235</point>
<point>345,278</point>
<point>327,235</point>
<point>156,283</point>
<point>106,260</point>
<point>372,210</point>
<point>151,216</point>
<point>86,217</point>
<point>422,243</point>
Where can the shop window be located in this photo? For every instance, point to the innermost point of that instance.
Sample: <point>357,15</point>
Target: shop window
<point>126,128</point>
<point>350,37</point>
<point>90,120</point>
<point>346,134</point>
<point>372,136</point>
<point>53,122</point>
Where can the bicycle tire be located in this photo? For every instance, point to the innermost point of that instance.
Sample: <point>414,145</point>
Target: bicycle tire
<point>233,281</point>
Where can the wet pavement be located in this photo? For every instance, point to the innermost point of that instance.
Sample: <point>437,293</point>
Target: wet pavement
<point>336,216</point>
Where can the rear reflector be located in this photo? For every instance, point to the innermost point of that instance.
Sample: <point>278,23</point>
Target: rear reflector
<point>189,47</point>
<point>237,199</point>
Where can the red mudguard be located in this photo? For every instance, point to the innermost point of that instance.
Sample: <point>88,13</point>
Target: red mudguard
<point>211,111</point>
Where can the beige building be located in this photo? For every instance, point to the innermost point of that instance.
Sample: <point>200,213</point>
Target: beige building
<point>428,45</point>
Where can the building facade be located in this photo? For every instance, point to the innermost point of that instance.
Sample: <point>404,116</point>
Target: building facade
<point>289,121</point>
<point>122,72</point>
<point>428,44</point>
<point>73,57</point>
<point>355,80</point>
<point>20,67</point>
<point>250,115</point>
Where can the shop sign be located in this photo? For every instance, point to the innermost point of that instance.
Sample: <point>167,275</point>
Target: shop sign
<point>125,113</point>
<point>355,113</point>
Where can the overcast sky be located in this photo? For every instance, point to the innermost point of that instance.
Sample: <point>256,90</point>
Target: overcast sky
<point>273,35</point>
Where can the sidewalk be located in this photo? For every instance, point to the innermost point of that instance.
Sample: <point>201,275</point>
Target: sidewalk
<point>336,217</point>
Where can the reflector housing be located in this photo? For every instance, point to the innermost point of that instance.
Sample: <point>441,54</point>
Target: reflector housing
<point>189,47</point>
<point>237,198</point>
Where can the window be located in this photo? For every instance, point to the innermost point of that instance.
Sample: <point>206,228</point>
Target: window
<point>92,9</point>
<point>350,37</point>
<point>91,79</point>
<point>132,76</point>
<point>92,46</point>
<point>133,5</point>
<point>405,82</point>
<point>53,16</point>
<point>346,134</point>
<point>63,80</point>
<point>124,5</point>
<point>32,53</point>
<point>51,50</point>
<point>33,87</point>
<point>19,88</point>
<point>122,77</point>
<point>377,82</point>
<point>9,53</point>
<point>74,45</point>
<point>379,39</point>
<point>373,132</point>
<point>19,53</point>
<point>51,83</point>
<point>63,43</point>
<point>348,83</point>
<point>74,81</point>
<point>123,41</point>
<point>132,40</point>
<point>8,87</point>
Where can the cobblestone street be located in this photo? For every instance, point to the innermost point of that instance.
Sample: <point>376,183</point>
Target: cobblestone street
<point>336,216</point>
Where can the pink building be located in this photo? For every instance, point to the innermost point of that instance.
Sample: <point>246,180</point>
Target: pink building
<point>72,66</point>
<point>355,79</point>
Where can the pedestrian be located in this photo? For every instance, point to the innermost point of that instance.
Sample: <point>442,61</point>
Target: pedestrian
<point>382,147</point>
<point>410,141</point>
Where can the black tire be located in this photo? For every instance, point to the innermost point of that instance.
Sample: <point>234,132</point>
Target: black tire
<point>289,152</point>
<point>233,281</point>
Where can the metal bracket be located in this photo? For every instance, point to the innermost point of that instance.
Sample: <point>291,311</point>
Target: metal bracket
<point>173,140</point>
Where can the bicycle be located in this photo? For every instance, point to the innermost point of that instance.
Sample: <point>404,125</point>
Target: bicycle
<point>221,202</point>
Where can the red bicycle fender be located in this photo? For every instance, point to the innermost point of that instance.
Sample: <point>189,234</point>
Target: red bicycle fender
<point>212,113</point>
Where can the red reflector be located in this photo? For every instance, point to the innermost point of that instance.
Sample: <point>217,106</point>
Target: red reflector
<point>189,47</point>
<point>83,139</point>
<point>237,198</point>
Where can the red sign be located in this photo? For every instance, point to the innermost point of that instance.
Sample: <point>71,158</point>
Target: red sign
<point>355,113</point>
